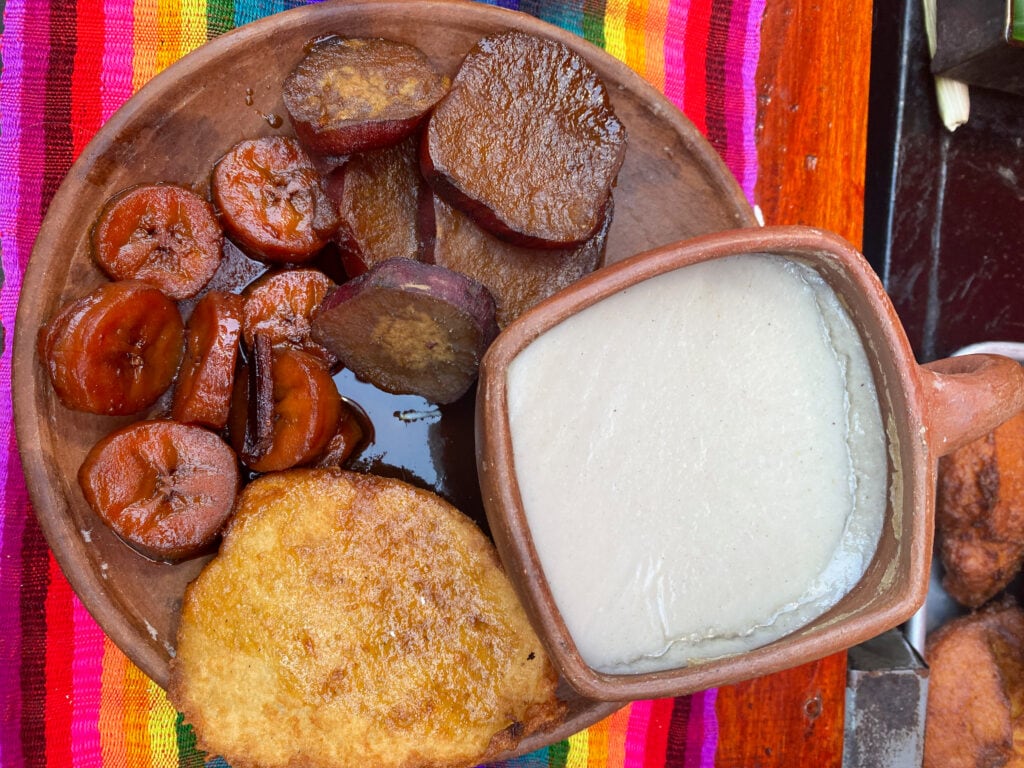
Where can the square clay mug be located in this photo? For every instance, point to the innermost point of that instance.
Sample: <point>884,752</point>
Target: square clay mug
<point>927,411</point>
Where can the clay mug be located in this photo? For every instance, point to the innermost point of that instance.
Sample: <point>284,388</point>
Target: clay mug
<point>927,410</point>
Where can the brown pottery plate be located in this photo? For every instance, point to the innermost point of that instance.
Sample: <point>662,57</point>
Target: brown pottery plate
<point>672,186</point>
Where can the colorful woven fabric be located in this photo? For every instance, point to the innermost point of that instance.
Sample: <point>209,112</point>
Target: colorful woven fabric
<point>68,696</point>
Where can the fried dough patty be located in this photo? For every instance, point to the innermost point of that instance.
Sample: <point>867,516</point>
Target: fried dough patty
<point>353,620</point>
<point>975,715</point>
<point>979,514</point>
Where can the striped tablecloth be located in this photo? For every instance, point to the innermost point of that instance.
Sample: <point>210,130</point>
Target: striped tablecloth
<point>68,696</point>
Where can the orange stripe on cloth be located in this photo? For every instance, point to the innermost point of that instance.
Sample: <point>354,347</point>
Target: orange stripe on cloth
<point>135,710</point>
<point>111,719</point>
<point>635,39</point>
<point>618,727</point>
<point>146,42</point>
<point>597,746</point>
<point>655,26</point>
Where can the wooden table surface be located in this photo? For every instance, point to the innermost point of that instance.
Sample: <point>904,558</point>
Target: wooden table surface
<point>812,137</point>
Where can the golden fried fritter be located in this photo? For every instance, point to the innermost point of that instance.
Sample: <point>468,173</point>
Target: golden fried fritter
<point>353,620</point>
<point>979,515</point>
<point>975,715</point>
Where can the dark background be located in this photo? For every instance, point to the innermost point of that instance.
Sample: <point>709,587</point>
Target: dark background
<point>944,212</point>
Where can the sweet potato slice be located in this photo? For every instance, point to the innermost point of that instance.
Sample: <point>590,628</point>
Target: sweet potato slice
<point>354,94</point>
<point>517,277</point>
<point>410,328</point>
<point>526,142</point>
<point>380,197</point>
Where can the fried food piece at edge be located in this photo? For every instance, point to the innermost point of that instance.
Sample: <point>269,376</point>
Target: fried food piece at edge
<point>976,690</point>
<point>354,620</point>
<point>979,522</point>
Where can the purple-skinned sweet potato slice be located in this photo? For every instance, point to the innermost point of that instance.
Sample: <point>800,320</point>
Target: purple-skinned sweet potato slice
<point>410,328</point>
<point>526,142</point>
<point>355,94</point>
<point>517,277</point>
<point>380,197</point>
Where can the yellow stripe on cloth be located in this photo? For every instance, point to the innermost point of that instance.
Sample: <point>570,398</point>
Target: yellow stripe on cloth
<point>163,734</point>
<point>169,29</point>
<point>615,28</point>
<point>579,749</point>
<point>193,25</point>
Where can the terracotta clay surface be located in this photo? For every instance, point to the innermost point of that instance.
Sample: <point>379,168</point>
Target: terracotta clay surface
<point>672,186</point>
<point>928,411</point>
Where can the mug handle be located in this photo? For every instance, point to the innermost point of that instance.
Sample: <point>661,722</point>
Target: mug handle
<point>968,396</point>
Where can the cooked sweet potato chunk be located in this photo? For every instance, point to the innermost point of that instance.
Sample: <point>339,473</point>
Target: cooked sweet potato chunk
<point>526,142</point>
<point>380,197</point>
<point>517,277</point>
<point>354,94</point>
<point>410,328</point>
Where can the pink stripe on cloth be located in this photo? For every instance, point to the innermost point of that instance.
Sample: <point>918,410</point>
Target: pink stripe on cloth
<point>744,46</point>
<point>87,673</point>
<point>675,64</point>
<point>26,34</point>
<point>118,53</point>
<point>636,733</point>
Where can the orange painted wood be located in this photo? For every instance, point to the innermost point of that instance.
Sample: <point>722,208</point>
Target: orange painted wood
<point>812,136</point>
<point>812,122</point>
<point>794,718</point>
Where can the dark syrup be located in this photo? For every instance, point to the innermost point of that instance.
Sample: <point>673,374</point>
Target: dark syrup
<point>408,438</point>
<point>424,444</point>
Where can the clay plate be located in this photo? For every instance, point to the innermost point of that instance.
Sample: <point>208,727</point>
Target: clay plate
<point>672,186</point>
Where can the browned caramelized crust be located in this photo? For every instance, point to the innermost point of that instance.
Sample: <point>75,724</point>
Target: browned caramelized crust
<point>980,514</point>
<point>353,620</point>
<point>975,715</point>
